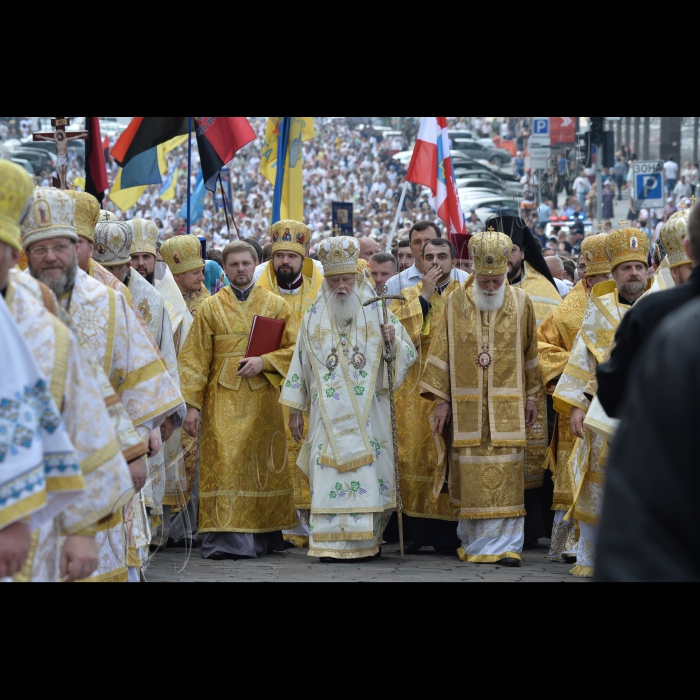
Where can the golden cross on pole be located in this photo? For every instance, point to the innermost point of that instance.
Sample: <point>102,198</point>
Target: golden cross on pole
<point>337,230</point>
<point>61,138</point>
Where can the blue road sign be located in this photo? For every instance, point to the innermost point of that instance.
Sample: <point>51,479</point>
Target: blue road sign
<point>540,126</point>
<point>650,187</point>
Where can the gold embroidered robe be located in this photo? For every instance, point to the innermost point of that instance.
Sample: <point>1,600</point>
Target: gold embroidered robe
<point>556,337</point>
<point>78,394</point>
<point>422,455</point>
<point>245,484</point>
<point>299,301</point>
<point>488,406</point>
<point>190,445</point>
<point>180,316</point>
<point>578,386</point>
<point>545,299</point>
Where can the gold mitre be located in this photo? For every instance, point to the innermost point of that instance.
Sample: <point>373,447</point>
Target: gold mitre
<point>112,244</point>
<point>145,237</point>
<point>50,215</point>
<point>627,245</point>
<point>182,254</point>
<point>290,235</point>
<point>490,251</point>
<point>339,256</point>
<point>595,255</point>
<point>106,216</point>
<point>673,233</point>
<point>87,213</point>
<point>15,194</point>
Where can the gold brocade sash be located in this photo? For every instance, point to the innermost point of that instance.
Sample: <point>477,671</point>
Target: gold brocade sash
<point>345,389</point>
<point>601,320</point>
<point>505,375</point>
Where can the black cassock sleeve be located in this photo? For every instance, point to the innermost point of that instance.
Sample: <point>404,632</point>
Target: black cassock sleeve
<point>649,527</point>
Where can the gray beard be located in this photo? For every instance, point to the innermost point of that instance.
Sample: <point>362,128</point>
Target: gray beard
<point>489,303</point>
<point>64,283</point>
<point>632,289</point>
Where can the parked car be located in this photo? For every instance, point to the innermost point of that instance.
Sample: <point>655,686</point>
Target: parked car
<point>24,164</point>
<point>40,159</point>
<point>507,185</point>
<point>486,205</point>
<point>475,150</point>
<point>77,147</point>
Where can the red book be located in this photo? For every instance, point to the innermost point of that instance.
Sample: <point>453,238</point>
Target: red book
<point>265,336</point>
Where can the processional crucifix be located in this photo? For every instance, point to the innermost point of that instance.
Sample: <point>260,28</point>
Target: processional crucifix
<point>389,358</point>
<point>61,138</point>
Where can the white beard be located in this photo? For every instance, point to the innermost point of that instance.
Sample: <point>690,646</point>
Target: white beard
<point>488,303</point>
<point>341,309</point>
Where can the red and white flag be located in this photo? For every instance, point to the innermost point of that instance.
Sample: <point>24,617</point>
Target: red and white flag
<point>431,166</point>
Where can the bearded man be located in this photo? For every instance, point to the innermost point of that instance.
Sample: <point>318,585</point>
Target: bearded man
<point>628,252</point>
<point>285,276</point>
<point>245,497</point>
<point>111,331</point>
<point>183,258</point>
<point>528,271</point>
<point>556,337</point>
<point>483,373</point>
<point>680,237</point>
<point>338,377</point>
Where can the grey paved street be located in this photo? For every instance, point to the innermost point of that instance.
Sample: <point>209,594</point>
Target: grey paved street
<point>294,565</point>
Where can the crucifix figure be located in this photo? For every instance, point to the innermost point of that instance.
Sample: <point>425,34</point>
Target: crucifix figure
<point>61,138</point>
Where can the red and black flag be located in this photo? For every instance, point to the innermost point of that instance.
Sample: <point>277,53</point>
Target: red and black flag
<point>219,139</point>
<point>145,133</point>
<point>95,168</point>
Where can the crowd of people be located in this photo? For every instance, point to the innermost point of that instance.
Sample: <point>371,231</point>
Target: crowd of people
<point>306,386</point>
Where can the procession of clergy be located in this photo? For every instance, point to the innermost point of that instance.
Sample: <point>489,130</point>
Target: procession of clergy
<point>132,419</point>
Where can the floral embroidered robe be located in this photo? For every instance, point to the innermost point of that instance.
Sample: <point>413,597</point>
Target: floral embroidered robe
<point>90,425</point>
<point>245,484</point>
<point>348,453</point>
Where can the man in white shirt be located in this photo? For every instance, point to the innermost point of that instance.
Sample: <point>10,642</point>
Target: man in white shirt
<point>681,191</point>
<point>582,187</point>
<point>419,235</point>
<point>671,173</point>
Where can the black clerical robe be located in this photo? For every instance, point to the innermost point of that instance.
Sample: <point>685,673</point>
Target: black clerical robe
<point>648,530</point>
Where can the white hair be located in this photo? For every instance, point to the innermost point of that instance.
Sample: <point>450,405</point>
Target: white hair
<point>489,301</point>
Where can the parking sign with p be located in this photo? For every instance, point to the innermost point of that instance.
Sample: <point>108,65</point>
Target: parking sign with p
<point>648,184</point>
<point>540,126</point>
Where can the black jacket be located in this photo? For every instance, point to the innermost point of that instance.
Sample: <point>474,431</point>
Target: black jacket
<point>649,525</point>
<point>637,326</point>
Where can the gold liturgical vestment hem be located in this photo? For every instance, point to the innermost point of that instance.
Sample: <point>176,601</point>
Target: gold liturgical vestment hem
<point>245,484</point>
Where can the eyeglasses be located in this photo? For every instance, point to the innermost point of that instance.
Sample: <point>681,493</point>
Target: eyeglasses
<point>42,252</point>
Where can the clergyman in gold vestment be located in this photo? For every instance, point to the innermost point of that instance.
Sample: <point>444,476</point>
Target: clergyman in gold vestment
<point>430,518</point>
<point>245,485</point>
<point>483,372</point>
<point>297,280</point>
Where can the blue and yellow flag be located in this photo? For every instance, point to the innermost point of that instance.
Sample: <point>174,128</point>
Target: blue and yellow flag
<point>145,169</point>
<point>286,134</point>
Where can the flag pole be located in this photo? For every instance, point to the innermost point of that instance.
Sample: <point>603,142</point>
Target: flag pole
<point>189,174</point>
<point>396,218</point>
